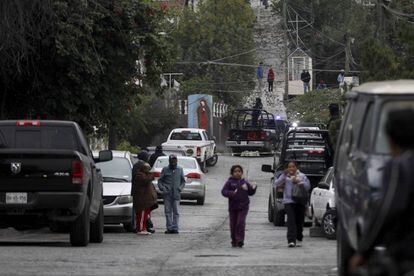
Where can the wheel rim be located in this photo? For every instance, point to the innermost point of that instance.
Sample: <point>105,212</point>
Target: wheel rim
<point>329,224</point>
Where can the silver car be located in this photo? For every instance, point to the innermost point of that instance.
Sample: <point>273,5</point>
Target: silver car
<point>195,188</point>
<point>117,175</point>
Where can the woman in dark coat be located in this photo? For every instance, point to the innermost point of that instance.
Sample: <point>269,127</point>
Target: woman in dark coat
<point>144,195</point>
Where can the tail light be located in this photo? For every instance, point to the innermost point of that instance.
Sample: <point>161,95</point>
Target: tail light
<point>156,174</point>
<point>28,123</point>
<point>194,175</point>
<point>264,135</point>
<point>251,136</point>
<point>315,151</point>
<point>198,151</point>
<point>77,172</point>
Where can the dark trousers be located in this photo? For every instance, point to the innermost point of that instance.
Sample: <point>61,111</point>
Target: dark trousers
<point>270,86</point>
<point>295,220</point>
<point>238,225</point>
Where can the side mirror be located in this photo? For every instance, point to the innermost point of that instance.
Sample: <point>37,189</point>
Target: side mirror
<point>105,155</point>
<point>268,169</point>
<point>323,185</point>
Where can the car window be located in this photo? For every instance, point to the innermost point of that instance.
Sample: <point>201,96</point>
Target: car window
<point>381,141</point>
<point>117,170</point>
<point>365,139</point>
<point>183,163</point>
<point>186,135</point>
<point>205,136</point>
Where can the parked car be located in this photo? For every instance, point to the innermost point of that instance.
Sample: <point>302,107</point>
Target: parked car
<point>195,188</point>
<point>117,197</point>
<point>312,150</point>
<point>361,155</point>
<point>48,176</point>
<point>196,143</point>
<point>323,208</point>
<point>254,130</point>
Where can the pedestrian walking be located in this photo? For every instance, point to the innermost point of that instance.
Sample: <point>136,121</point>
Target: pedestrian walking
<point>158,152</point>
<point>270,78</point>
<point>306,78</point>
<point>144,196</point>
<point>260,76</point>
<point>341,79</point>
<point>171,183</point>
<point>258,106</point>
<point>295,211</point>
<point>238,190</point>
<point>144,156</point>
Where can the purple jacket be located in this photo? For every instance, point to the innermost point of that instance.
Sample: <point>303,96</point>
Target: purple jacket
<point>237,200</point>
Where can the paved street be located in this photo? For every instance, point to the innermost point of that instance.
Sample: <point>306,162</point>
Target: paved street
<point>202,248</point>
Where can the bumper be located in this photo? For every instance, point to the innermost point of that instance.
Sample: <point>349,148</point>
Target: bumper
<point>114,214</point>
<point>45,206</point>
<point>248,144</point>
<point>191,191</point>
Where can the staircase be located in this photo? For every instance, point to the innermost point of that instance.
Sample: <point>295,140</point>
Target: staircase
<point>269,41</point>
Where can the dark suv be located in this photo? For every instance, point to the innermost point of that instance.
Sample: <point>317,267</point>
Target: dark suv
<point>312,150</point>
<point>360,158</point>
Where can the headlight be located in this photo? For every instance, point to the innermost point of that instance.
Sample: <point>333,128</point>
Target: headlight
<point>124,199</point>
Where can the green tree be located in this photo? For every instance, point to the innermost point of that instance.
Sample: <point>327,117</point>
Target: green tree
<point>217,30</point>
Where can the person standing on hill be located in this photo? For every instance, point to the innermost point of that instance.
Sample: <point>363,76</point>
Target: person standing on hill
<point>270,78</point>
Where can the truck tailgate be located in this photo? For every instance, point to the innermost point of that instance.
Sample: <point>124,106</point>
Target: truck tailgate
<point>36,170</point>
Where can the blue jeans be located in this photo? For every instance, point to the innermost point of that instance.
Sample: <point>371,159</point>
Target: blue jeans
<point>306,87</point>
<point>171,212</point>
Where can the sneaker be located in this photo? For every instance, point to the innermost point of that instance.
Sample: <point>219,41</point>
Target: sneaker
<point>169,232</point>
<point>291,244</point>
<point>298,243</point>
<point>145,233</point>
<point>174,232</point>
<point>240,244</point>
<point>151,230</point>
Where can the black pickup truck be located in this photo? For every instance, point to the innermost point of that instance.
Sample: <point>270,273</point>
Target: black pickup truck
<point>254,130</point>
<point>48,176</point>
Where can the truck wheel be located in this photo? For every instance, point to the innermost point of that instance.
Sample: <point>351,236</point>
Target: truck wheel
<point>278,217</point>
<point>344,252</point>
<point>270,210</point>
<point>201,201</point>
<point>204,165</point>
<point>212,161</point>
<point>96,235</point>
<point>329,224</point>
<point>79,232</point>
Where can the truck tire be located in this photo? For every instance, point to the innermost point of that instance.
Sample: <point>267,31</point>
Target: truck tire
<point>270,210</point>
<point>79,232</point>
<point>203,165</point>
<point>96,228</point>
<point>212,161</point>
<point>344,252</point>
<point>201,201</point>
<point>329,224</point>
<point>278,217</point>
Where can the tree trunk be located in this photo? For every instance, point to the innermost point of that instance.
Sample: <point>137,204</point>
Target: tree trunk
<point>113,138</point>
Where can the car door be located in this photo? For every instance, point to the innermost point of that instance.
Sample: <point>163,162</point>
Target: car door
<point>318,199</point>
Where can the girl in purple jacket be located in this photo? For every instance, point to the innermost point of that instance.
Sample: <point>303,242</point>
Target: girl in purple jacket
<point>238,190</point>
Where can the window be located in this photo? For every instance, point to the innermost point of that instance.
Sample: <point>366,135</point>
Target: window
<point>381,141</point>
<point>27,139</point>
<point>118,168</point>
<point>184,163</point>
<point>186,135</point>
<point>365,139</point>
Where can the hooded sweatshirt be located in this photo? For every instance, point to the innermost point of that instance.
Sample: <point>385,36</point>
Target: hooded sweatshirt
<point>287,182</point>
<point>238,200</point>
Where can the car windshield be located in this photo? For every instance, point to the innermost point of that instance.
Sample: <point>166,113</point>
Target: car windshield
<point>381,144</point>
<point>184,163</point>
<point>186,135</point>
<point>116,170</point>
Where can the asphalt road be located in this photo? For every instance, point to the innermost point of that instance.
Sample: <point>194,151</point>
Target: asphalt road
<point>201,248</point>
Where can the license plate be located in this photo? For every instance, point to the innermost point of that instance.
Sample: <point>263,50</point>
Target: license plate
<point>16,198</point>
<point>243,143</point>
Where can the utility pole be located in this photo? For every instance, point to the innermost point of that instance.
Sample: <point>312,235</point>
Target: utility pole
<point>286,95</point>
<point>380,18</point>
<point>347,37</point>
